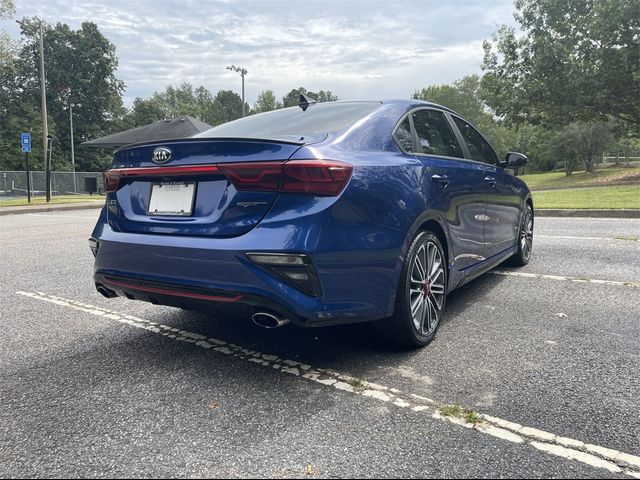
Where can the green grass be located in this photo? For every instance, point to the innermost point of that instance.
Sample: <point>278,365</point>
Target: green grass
<point>450,410</point>
<point>606,176</point>
<point>456,411</point>
<point>357,384</point>
<point>473,417</point>
<point>611,197</point>
<point>22,201</point>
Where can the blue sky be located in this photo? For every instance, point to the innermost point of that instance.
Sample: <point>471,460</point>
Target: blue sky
<point>356,49</point>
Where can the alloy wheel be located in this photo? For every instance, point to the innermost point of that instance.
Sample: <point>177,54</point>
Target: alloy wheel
<point>426,296</point>
<point>526,235</point>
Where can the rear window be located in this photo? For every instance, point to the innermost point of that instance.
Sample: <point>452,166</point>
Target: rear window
<point>319,119</point>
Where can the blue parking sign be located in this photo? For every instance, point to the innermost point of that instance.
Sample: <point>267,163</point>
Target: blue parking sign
<point>25,140</point>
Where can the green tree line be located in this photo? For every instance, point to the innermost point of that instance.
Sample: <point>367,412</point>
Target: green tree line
<point>81,73</point>
<point>562,89</point>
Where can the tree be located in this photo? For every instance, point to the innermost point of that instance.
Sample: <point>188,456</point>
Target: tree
<point>144,112</point>
<point>582,142</point>
<point>81,68</point>
<point>465,97</point>
<point>577,60</point>
<point>172,102</point>
<point>7,9</point>
<point>266,102</point>
<point>323,96</point>
<point>203,104</point>
<point>292,99</point>
<point>227,106</point>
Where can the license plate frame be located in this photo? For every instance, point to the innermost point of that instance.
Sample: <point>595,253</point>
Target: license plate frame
<point>171,199</point>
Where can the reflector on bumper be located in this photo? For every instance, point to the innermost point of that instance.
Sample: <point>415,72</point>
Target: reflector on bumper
<point>296,270</point>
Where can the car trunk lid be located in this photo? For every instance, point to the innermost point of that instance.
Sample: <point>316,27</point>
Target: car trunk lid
<point>186,190</point>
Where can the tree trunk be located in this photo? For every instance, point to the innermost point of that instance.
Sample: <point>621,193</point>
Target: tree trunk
<point>569,165</point>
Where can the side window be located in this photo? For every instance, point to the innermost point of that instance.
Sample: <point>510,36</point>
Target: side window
<point>403,136</point>
<point>478,147</point>
<point>435,136</point>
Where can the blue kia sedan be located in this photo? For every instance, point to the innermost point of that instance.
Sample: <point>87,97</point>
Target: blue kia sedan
<point>321,214</point>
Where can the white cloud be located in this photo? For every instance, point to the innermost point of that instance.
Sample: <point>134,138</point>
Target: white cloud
<point>356,49</point>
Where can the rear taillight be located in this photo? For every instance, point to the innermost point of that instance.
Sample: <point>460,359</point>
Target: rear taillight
<point>314,177</point>
<point>255,176</point>
<point>319,177</point>
<point>111,180</point>
<point>112,177</point>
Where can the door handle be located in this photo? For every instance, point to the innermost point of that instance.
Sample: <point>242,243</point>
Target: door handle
<point>441,180</point>
<point>490,180</point>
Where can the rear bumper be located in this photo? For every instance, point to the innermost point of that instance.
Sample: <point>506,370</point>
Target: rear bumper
<point>161,293</point>
<point>357,285</point>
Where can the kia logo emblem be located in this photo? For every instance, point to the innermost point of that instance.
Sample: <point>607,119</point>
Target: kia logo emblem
<point>161,155</point>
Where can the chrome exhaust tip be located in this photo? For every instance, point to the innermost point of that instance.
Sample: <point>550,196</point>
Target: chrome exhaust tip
<point>268,320</point>
<point>105,292</point>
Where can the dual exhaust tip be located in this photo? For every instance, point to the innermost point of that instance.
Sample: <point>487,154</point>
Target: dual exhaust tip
<point>269,320</point>
<point>105,292</point>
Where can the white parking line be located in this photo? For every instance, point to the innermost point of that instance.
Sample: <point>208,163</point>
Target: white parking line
<point>568,237</point>
<point>566,279</point>
<point>593,455</point>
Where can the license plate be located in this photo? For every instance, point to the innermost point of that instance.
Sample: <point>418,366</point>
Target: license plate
<point>174,198</point>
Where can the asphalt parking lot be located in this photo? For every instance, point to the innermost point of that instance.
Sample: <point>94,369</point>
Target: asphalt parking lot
<point>549,354</point>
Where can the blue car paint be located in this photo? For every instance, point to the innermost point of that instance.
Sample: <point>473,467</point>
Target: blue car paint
<point>357,240</point>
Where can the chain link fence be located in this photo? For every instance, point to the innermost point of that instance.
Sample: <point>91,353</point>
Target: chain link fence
<point>14,183</point>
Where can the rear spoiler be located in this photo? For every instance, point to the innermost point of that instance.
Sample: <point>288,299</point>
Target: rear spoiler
<point>288,139</point>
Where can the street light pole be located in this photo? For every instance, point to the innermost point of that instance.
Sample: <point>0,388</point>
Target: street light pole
<point>45,130</point>
<point>242,72</point>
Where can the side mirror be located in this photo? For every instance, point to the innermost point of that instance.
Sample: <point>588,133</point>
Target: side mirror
<point>515,160</point>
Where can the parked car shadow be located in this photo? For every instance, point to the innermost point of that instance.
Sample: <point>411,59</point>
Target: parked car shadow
<point>357,345</point>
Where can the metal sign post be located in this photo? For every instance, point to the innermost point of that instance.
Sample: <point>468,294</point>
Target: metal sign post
<point>25,140</point>
<point>48,168</point>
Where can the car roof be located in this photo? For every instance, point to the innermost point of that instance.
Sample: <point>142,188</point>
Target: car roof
<point>415,103</point>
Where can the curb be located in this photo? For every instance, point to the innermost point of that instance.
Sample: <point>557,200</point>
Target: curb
<point>589,213</point>
<point>49,208</point>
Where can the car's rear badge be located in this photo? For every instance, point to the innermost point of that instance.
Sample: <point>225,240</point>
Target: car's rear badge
<point>161,155</point>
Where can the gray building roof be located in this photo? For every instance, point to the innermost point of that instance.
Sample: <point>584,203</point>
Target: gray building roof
<point>183,127</point>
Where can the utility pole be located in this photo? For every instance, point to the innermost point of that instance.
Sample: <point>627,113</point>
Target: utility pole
<point>45,129</point>
<point>242,72</point>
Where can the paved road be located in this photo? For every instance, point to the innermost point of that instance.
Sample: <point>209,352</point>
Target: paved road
<point>86,392</point>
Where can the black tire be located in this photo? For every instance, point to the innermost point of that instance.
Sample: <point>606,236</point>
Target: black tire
<point>525,240</point>
<point>402,328</point>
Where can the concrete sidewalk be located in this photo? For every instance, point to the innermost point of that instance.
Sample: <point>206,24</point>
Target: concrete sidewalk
<point>587,213</point>
<point>542,212</point>
<point>60,207</point>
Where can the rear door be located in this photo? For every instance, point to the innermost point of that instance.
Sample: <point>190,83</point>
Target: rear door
<point>503,202</point>
<point>454,185</point>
